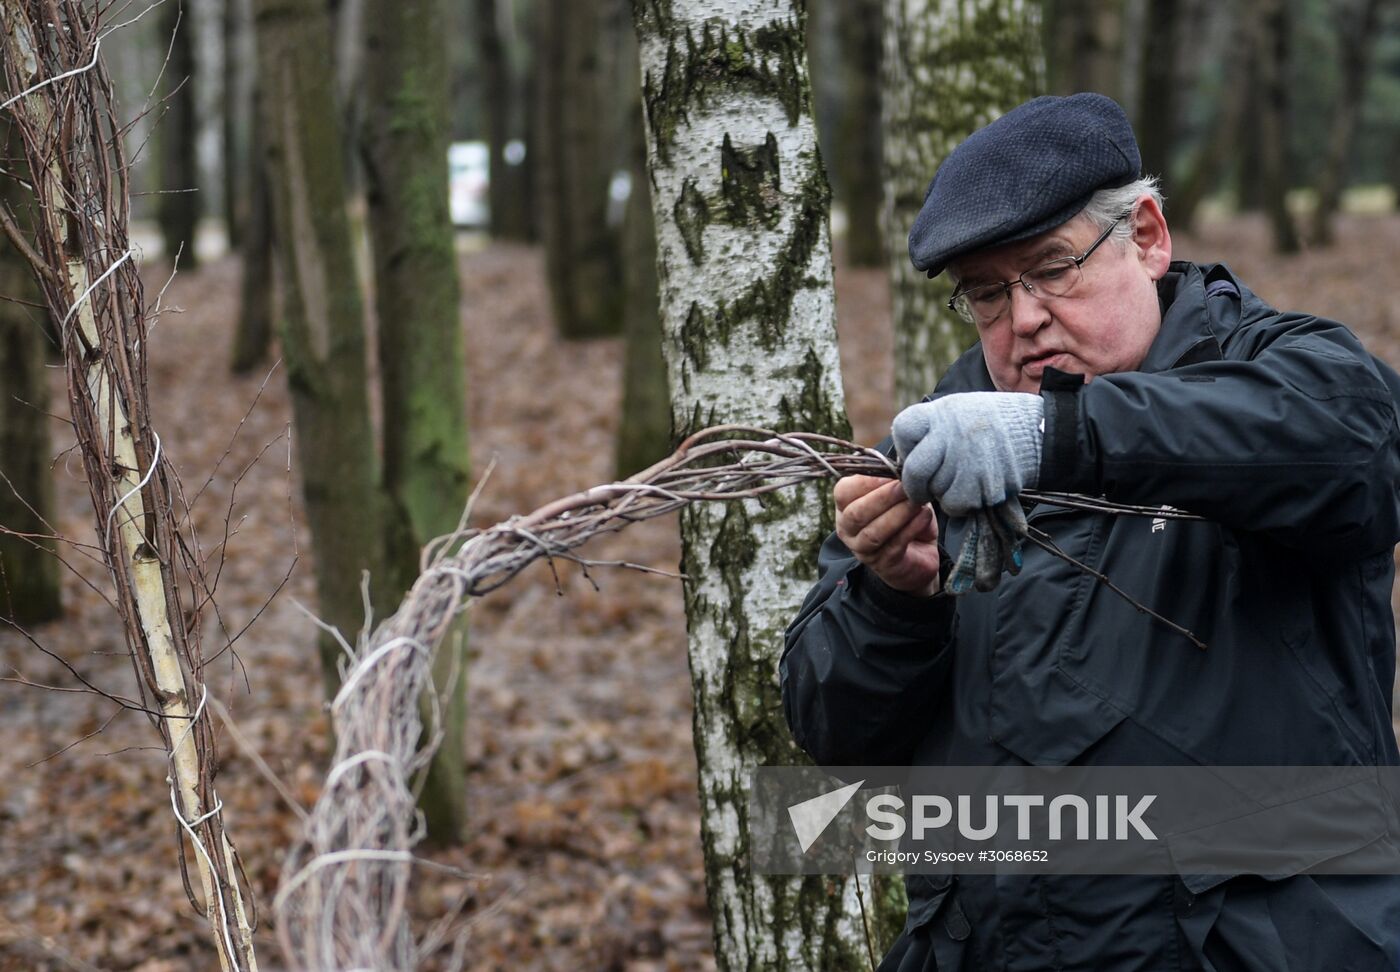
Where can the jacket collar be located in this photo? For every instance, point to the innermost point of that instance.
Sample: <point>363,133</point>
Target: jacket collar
<point>1188,334</point>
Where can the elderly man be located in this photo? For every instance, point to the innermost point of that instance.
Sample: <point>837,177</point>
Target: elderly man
<point>1105,368</point>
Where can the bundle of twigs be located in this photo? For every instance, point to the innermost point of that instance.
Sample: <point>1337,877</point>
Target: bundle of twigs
<point>59,99</point>
<point>355,858</point>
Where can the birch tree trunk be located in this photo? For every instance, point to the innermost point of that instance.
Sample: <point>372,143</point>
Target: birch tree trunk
<point>951,66</point>
<point>420,338</point>
<point>322,319</point>
<point>744,266</point>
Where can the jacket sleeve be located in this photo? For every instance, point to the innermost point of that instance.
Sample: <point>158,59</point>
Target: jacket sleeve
<point>861,663</point>
<point>1293,435</point>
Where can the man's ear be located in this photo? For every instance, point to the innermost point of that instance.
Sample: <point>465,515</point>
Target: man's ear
<point>1151,237</point>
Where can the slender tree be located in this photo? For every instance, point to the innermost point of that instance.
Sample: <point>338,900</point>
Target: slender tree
<point>235,120</point>
<point>576,150</point>
<point>1270,76</point>
<point>29,567</point>
<point>951,66</point>
<point>257,307</point>
<point>179,209</point>
<point>420,338</point>
<point>644,428</point>
<point>858,141</point>
<point>1157,107</point>
<point>1084,46</point>
<point>1356,35</point>
<point>322,318</point>
<point>501,94</point>
<point>1212,156</point>
<point>741,205</point>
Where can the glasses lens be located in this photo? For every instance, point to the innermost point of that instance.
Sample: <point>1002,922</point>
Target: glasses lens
<point>981,305</point>
<point>1055,279</point>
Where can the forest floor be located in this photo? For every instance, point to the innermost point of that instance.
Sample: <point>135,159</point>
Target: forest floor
<point>585,851</point>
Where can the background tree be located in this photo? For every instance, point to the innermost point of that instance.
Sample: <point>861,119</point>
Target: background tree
<point>1084,46</point>
<point>1226,111</point>
<point>576,141</point>
<point>322,318</point>
<point>1271,65</point>
<point>951,66</point>
<point>257,305</point>
<point>501,98</point>
<point>741,205</point>
<point>644,427</point>
<point>858,160</point>
<point>180,203</point>
<point>419,336</point>
<point>1156,122</point>
<point>29,567</point>
<point>1356,24</point>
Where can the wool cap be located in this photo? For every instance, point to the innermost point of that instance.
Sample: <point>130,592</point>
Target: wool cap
<point>1027,172</point>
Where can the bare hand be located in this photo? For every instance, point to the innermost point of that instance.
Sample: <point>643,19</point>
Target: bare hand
<point>894,537</point>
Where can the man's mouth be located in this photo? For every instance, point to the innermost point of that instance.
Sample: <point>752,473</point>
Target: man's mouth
<point>1034,364</point>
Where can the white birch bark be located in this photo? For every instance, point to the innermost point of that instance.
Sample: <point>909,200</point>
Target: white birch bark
<point>744,266</point>
<point>951,66</point>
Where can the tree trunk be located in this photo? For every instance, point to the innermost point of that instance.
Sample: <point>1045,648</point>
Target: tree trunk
<point>322,319</point>
<point>234,123</point>
<point>1084,46</point>
<point>500,90</point>
<point>573,146</point>
<point>858,141</point>
<point>951,66</point>
<point>1213,155</point>
<point>179,209</point>
<point>644,429</point>
<point>741,207</point>
<point>257,307</point>
<point>420,339</point>
<point>1156,118</point>
<point>29,567</point>
<point>1271,75</point>
<point>1356,34</point>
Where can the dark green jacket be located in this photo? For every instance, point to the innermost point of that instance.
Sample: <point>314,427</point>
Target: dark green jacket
<point>1282,431</point>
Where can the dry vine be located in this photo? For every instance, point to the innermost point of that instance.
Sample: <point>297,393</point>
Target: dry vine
<point>60,100</point>
<point>351,870</point>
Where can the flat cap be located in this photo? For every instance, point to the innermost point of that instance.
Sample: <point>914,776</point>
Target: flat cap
<point>1025,173</point>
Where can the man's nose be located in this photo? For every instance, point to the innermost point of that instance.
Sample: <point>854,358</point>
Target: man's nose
<point>1028,312</point>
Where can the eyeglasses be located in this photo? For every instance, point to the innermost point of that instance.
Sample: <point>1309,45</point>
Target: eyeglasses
<point>984,304</point>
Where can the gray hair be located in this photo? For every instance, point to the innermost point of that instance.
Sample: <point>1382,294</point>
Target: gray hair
<point>1106,205</point>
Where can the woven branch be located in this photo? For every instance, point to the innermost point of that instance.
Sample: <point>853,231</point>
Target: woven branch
<point>351,870</point>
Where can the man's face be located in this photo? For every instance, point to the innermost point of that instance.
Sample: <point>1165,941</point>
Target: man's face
<point>1105,325</point>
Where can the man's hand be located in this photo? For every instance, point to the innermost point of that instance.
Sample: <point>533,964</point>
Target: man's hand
<point>970,451</point>
<point>894,537</point>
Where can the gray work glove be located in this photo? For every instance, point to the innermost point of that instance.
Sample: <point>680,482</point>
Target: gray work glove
<point>972,454</point>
